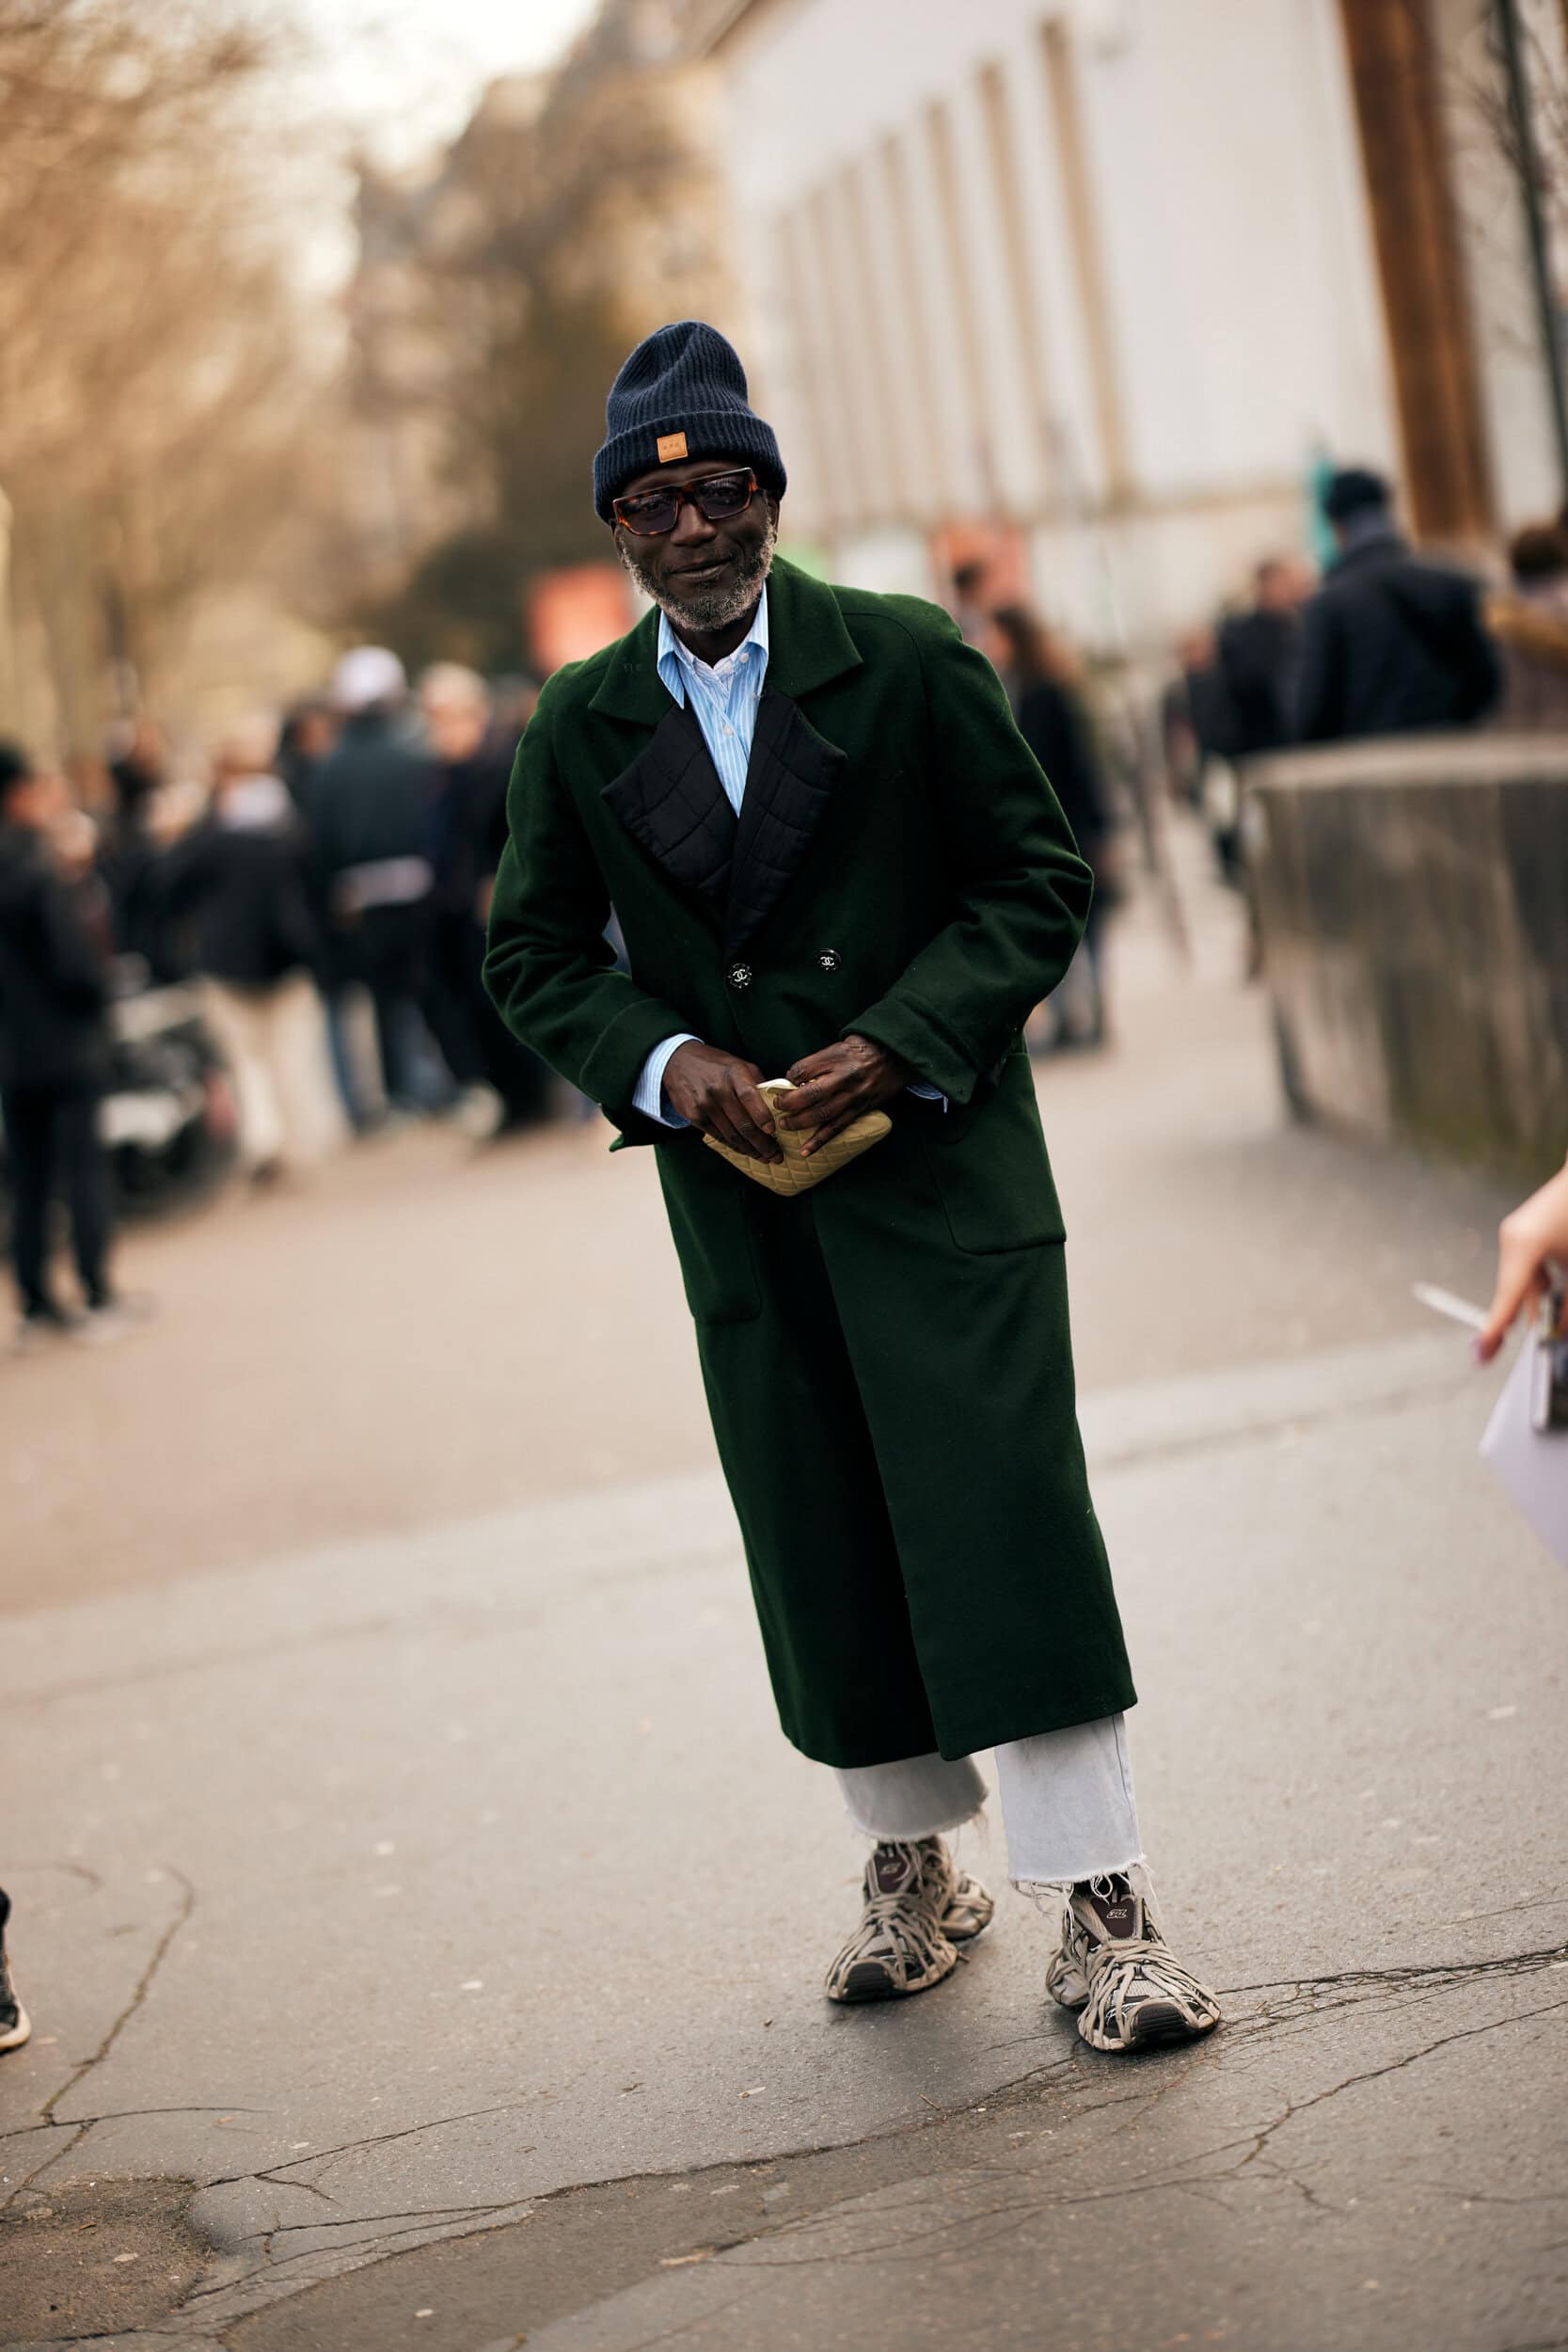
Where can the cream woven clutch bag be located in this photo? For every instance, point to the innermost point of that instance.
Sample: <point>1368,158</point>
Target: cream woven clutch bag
<point>795,1173</point>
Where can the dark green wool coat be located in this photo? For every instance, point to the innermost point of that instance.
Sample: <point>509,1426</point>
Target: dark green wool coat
<point>887,1359</point>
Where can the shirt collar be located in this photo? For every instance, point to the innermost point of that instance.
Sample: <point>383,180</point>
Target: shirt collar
<point>674,656</point>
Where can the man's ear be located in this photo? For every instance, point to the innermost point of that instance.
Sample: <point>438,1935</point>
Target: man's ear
<point>772,508</point>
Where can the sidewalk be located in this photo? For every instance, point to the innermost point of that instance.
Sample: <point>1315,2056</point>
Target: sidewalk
<point>442,1903</point>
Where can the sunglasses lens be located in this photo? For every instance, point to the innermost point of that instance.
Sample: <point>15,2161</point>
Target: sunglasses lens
<point>651,515</point>
<point>652,512</point>
<point>723,494</point>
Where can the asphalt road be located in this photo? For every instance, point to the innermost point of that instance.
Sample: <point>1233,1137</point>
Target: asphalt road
<point>422,1919</point>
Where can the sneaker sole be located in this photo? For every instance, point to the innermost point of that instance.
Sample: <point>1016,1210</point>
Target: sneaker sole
<point>1157,2024</point>
<point>868,1981</point>
<point>14,2036</point>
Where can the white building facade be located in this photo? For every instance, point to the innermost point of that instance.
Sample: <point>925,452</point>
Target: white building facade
<point>1089,288</point>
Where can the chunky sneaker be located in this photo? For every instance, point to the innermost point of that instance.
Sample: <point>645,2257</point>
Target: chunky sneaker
<point>1116,1968</point>
<point>918,1909</point>
<point>14,2024</point>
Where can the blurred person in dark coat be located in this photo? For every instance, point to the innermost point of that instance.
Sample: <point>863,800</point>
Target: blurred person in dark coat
<point>1198,731</point>
<point>308,731</point>
<point>1391,644</point>
<point>1530,625</point>
<point>241,880</point>
<point>372,810</point>
<point>129,852</point>
<point>1040,676</point>
<point>969,607</point>
<point>55,1049</point>
<point>1258,651</point>
<point>1180,743</point>
<point>473,757</point>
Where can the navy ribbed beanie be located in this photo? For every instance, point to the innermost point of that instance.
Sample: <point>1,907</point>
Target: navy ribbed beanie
<point>685,385</point>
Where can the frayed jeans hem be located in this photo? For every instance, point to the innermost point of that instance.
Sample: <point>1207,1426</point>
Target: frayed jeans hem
<point>1064,1885</point>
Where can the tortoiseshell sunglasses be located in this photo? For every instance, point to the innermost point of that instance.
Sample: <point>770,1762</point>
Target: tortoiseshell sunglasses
<point>649,513</point>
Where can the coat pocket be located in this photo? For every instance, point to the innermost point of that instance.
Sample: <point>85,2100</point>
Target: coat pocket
<point>994,1174</point>
<point>710,1220</point>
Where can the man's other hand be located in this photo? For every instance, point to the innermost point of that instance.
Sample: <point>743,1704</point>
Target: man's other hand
<point>834,1088</point>
<point>718,1093</point>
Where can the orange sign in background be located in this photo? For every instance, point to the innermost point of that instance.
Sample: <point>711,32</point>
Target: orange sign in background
<point>573,612</point>
<point>997,546</point>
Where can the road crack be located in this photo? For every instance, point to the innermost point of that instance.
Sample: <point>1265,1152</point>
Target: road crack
<point>142,1988</point>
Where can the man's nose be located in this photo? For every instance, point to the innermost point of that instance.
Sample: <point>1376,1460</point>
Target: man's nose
<point>691,523</point>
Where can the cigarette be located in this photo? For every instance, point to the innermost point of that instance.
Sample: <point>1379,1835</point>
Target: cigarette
<point>1445,1303</point>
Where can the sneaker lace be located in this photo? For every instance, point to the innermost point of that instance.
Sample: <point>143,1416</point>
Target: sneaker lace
<point>1128,1949</point>
<point>882,1910</point>
<point>909,1910</point>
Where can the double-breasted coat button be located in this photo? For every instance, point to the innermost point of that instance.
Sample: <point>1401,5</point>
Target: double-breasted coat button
<point>739,976</point>
<point>830,959</point>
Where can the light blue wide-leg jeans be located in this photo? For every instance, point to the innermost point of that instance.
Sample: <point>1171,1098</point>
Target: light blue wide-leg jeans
<point>1067,1802</point>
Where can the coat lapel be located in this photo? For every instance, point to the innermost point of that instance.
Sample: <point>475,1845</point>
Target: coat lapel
<point>794,769</point>
<point>670,801</point>
<point>789,781</point>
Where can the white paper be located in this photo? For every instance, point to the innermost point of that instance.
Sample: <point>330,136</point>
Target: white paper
<point>1533,1464</point>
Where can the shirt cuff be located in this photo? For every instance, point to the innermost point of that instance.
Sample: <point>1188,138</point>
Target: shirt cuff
<point>649,1096</point>
<point>926,1093</point>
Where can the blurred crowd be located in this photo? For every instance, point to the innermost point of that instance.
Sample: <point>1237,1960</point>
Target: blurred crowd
<point>292,939</point>
<point>1382,642</point>
<point>252,963</point>
<point>1386,644</point>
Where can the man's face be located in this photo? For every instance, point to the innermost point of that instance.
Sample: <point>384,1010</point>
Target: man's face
<point>703,574</point>
<point>1276,588</point>
<point>455,727</point>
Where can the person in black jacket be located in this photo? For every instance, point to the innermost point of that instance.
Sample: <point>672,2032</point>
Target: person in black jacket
<point>1052,722</point>
<point>1390,644</point>
<point>128,854</point>
<point>372,808</point>
<point>55,1044</point>
<point>1257,651</point>
<point>474,755</point>
<point>240,881</point>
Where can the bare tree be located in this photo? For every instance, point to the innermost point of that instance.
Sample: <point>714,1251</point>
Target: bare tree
<point>497,300</point>
<point>155,368</point>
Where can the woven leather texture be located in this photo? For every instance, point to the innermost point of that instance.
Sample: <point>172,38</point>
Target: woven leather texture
<point>795,1173</point>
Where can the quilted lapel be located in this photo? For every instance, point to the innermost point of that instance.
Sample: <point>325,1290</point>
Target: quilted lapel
<point>789,781</point>
<point>670,801</point>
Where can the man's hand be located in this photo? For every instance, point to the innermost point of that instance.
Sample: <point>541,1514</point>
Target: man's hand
<point>718,1093</point>
<point>834,1088</point>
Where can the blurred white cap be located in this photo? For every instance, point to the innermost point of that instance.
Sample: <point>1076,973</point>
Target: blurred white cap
<point>367,676</point>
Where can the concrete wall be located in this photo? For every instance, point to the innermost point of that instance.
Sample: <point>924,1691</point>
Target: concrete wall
<point>1414,906</point>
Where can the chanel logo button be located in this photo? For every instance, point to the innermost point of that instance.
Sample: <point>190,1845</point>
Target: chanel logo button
<point>739,976</point>
<point>830,959</point>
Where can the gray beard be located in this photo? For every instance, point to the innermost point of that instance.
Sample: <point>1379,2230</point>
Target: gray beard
<point>720,606</point>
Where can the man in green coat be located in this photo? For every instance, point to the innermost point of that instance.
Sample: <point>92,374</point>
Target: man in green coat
<point>834,861</point>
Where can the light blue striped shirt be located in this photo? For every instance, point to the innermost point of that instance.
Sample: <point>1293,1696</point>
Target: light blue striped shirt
<point>725,699</point>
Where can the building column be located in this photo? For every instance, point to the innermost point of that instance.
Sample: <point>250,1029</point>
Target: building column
<point>1425,300</point>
